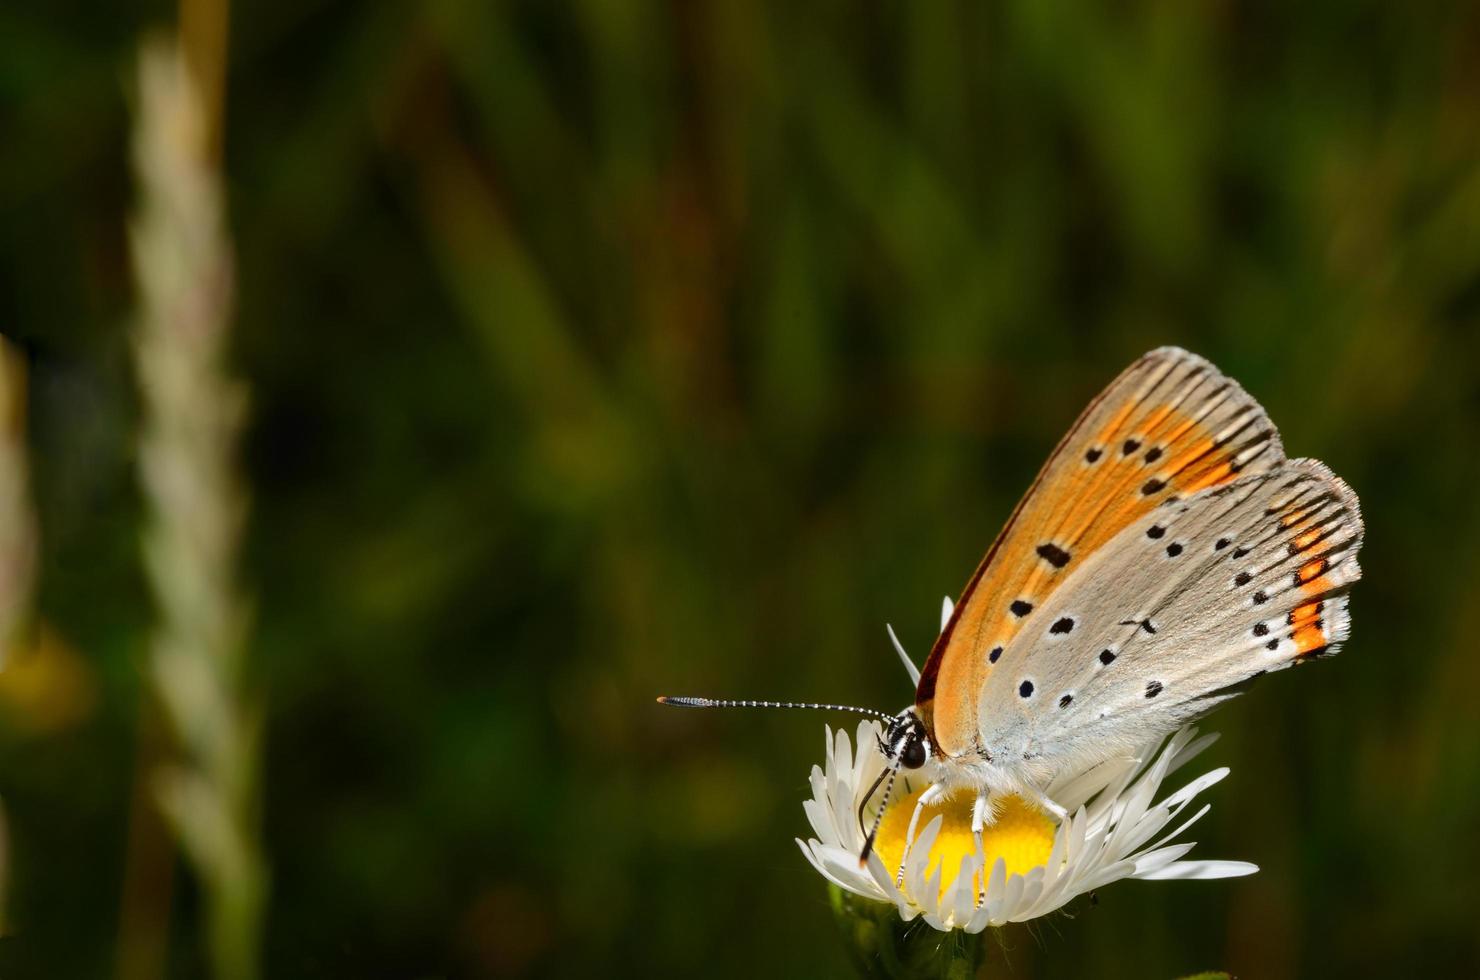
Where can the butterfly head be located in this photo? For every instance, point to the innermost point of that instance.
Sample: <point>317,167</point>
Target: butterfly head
<point>906,743</point>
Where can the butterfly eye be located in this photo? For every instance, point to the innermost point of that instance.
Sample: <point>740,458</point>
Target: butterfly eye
<point>913,754</point>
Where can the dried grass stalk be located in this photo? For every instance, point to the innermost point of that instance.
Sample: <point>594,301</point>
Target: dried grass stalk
<point>192,419</point>
<point>18,539</point>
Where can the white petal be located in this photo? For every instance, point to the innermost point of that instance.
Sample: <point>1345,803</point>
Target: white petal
<point>1060,847</point>
<point>1108,803</point>
<point>945,613</point>
<point>997,891</point>
<point>1130,814</point>
<point>930,889</point>
<point>867,763</point>
<point>1191,751</point>
<point>933,917</point>
<point>1184,825</point>
<point>1073,789</point>
<point>1153,861</point>
<point>915,874</point>
<point>1203,869</point>
<point>1032,892</point>
<point>961,898</point>
<point>840,792</point>
<point>884,881</point>
<point>823,827</point>
<point>1195,787</point>
<point>909,665</point>
<point>819,784</point>
<point>1012,904</point>
<point>1170,808</point>
<point>829,754</point>
<point>818,865</point>
<point>1114,871</point>
<point>843,867</point>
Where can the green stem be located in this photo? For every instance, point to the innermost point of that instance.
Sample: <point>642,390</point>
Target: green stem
<point>881,944</point>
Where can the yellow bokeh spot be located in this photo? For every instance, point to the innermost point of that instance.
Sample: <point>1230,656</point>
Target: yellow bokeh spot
<point>1022,835</point>
<point>46,685</point>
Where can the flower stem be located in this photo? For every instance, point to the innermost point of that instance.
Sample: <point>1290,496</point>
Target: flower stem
<point>881,944</point>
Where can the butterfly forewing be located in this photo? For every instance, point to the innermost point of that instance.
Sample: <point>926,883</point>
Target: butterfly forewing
<point>1170,427</point>
<point>1176,614</point>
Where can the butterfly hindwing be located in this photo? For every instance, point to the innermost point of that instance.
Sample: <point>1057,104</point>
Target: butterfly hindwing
<point>1170,427</point>
<point>1179,611</point>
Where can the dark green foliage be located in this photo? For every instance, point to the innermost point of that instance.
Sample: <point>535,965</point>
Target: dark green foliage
<point>603,350</point>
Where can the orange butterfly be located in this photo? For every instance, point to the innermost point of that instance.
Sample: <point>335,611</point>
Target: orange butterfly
<point>1167,554</point>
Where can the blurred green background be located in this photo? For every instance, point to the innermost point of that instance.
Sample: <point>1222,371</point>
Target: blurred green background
<point>611,348</point>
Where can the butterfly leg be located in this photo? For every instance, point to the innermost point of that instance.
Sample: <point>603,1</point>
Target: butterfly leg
<point>1041,798</point>
<point>981,815</point>
<point>930,797</point>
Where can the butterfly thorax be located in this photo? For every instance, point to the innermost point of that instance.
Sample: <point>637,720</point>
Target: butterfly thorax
<point>1013,774</point>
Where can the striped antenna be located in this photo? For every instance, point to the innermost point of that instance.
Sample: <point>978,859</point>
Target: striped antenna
<point>890,773</point>
<point>868,842</point>
<point>688,702</point>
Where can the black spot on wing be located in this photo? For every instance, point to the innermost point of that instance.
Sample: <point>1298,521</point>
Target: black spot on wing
<point>1064,624</point>
<point>1020,607</point>
<point>1053,554</point>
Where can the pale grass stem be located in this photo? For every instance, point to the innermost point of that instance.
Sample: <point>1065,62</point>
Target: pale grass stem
<point>18,539</point>
<point>196,503</point>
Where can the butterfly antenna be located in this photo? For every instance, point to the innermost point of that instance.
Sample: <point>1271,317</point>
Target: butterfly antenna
<point>687,702</point>
<point>889,774</point>
<point>868,796</point>
<point>868,842</point>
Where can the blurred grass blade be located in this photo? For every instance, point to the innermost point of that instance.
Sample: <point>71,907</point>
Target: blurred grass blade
<point>191,423</point>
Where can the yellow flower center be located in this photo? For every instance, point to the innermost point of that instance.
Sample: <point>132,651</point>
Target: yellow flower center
<point>1022,835</point>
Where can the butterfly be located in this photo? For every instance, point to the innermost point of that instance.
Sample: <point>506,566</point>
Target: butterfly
<point>1166,556</point>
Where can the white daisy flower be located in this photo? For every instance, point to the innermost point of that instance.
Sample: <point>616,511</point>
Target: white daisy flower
<point>1026,866</point>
